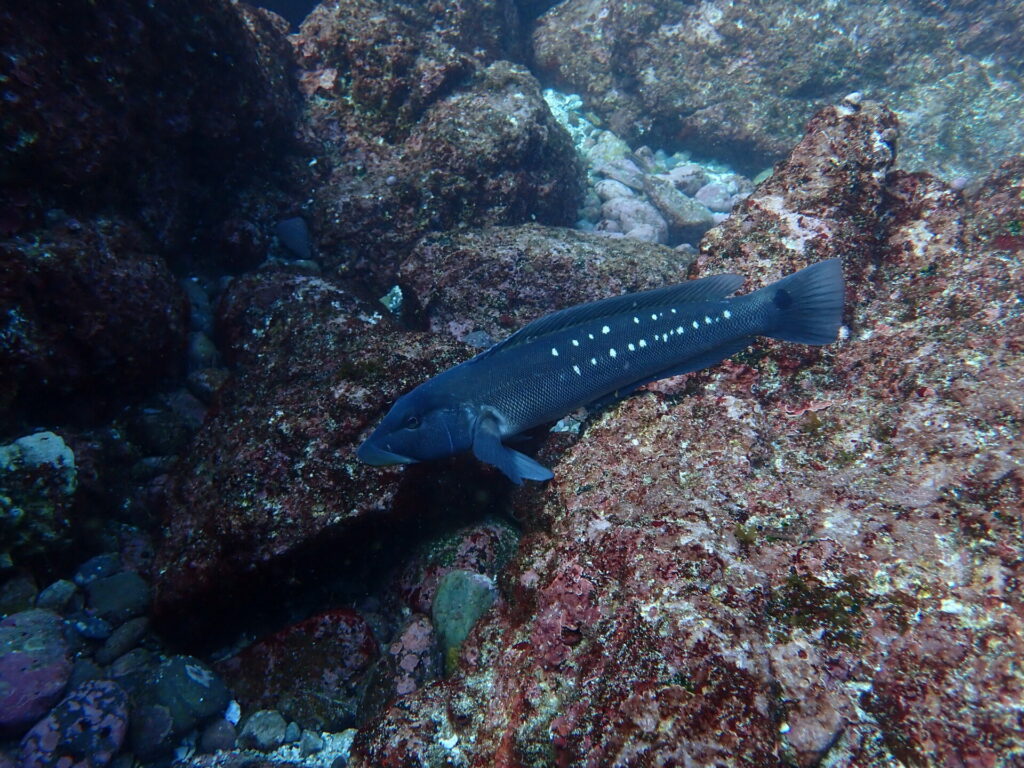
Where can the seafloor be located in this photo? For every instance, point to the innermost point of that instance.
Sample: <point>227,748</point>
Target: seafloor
<point>227,246</point>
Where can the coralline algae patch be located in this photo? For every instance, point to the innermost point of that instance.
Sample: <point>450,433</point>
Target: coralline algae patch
<point>645,194</point>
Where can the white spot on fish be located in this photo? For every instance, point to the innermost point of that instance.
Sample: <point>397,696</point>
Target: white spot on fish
<point>696,324</point>
<point>636,320</point>
<point>612,352</point>
<point>575,343</point>
<point>606,329</point>
<point>679,330</point>
<point>727,314</point>
<point>593,361</point>
<point>673,311</point>
<point>632,347</point>
<point>707,319</point>
<point>590,336</point>
<point>554,352</point>
<point>577,369</point>
<point>643,343</point>
<point>664,337</point>
<point>654,317</point>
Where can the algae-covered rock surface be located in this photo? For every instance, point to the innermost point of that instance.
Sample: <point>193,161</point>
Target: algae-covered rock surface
<point>739,80</point>
<point>799,555</point>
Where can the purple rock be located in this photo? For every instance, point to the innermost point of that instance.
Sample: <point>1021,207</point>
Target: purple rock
<point>34,667</point>
<point>85,730</point>
<point>688,178</point>
<point>715,196</point>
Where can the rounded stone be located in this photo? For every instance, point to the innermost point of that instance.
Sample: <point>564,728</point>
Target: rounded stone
<point>34,666</point>
<point>217,736</point>
<point>89,724</point>
<point>190,690</point>
<point>119,597</point>
<point>264,730</point>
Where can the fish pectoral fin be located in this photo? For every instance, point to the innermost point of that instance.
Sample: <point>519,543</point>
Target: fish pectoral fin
<point>487,447</point>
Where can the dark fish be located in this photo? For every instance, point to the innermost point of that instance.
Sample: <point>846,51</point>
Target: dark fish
<point>595,353</point>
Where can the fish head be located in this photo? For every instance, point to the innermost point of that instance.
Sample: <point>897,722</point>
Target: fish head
<point>418,428</point>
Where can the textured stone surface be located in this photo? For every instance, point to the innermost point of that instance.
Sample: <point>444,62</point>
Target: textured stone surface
<point>310,671</point>
<point>798,555</point>
<point>271,482</point>
<point>95,117</point>
<point>85,730</point>
<point>418,125</point>
<point>498,279</point>
<point>35,664</point>
<point>738,80</point>
<point>88,313</point>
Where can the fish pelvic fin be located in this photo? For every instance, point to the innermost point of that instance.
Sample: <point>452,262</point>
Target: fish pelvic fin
<point>808,304</point>
<point>487,447</point>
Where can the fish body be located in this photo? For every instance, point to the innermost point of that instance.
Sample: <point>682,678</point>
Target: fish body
<point>595,353</point>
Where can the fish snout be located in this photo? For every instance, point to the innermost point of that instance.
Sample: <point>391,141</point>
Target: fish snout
<point>371,453</point>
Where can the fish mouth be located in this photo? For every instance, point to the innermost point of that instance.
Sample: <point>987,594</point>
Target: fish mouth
<point>376,456</point>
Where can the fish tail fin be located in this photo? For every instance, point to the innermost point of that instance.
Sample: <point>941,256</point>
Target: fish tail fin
<point>808,304</point>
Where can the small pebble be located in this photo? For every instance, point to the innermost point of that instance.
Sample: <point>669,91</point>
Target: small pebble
<point>122,640</point>
<point>292,733</point>
<point>92,627</point>
<point>98,567</point>
<point>310,743</point>
<point>57,596</point>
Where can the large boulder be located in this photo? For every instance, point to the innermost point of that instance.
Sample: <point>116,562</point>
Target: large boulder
<point>494,280</point>
<point>737,81</point>
<point>89,315</point>
<point>164,111</point>
<point>419,124</point>
<point>801,554</point>
<point>271,485</point>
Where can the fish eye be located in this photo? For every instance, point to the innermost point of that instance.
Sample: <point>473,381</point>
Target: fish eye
<point>411,422</point>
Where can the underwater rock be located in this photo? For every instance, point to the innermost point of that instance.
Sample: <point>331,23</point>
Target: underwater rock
<point>271,485</point>
<point>462,597</point>
<point>34,667</point>
<point>91,315</point>
<point>688,217</point>
<point>673,73</point>
<point>57,596</point>
<point>119,597</point>
<point>419,126</point>
<point>294,236</point>
<point>95,117</point>
<point>310,671</point>
<point>810,556</point>
<point>86,730</point>
<point>218,735</point>
<point>38,479</point>
<point>636,219</point>
<point>483,547</point>
<point>189,689</point>
<point>263,730</point>
<point>520,273</point>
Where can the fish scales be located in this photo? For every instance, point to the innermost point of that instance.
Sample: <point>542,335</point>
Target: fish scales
<point>594,353</point>
<point>543,379</point>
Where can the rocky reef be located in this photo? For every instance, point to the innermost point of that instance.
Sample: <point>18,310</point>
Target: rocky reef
<point>217,279</point>
<point>738,81</point>
<point>797,554</point>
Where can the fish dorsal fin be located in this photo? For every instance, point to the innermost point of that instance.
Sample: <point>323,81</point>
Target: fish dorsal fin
<point>705,289</point>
